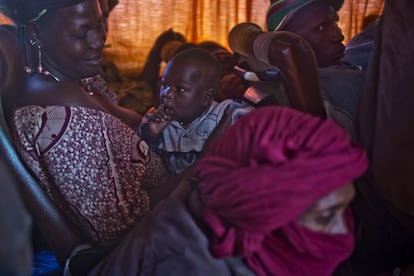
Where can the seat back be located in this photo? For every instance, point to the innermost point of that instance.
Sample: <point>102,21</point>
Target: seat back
<point>15,238</point>
<point>286,53</point>
<point>16,222</point>
<point>60,234</point>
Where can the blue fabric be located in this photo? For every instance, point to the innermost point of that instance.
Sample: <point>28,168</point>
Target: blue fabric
<point>359,55</point>
<point>341,87</point>
<point>358,50</point>
<point>180,147</point>
<point>45,263</point>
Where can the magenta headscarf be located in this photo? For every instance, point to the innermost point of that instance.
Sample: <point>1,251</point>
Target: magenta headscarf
<point>264,172</point>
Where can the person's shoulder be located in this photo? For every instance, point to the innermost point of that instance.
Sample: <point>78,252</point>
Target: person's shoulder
<point>340,73</point>
<point>43,90</point>
<point>367,35</point>
<point>235,104</point>
<point>237,107</point>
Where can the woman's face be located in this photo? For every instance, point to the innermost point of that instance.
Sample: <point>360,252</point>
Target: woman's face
<point>327,214</point>
<point>72,40</point>
<point>317,23</point>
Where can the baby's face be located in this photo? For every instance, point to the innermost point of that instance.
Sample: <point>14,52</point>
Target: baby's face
<point>183,91</point>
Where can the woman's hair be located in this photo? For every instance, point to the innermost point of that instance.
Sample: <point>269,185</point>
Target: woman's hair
<point>112,4</point>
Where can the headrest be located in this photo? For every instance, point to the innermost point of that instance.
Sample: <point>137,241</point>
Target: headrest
<point>241,38</point>
<point>250,40</point>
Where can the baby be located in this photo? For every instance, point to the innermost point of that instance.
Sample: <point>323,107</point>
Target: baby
<point>188,114</point>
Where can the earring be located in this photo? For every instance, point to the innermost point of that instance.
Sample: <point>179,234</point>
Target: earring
<point>39,56</point>
<point>39,64</point>
<point>27,68</point>
<point>39,68</point>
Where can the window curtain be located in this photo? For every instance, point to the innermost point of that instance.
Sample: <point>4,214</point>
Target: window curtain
<point>135,24</point>
<point>354,14</point>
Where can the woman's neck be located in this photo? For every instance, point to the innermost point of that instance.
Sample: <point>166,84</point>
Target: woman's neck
<point>54,71</point>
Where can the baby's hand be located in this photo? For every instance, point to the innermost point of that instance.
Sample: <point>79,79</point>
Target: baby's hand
<point>158,121</point>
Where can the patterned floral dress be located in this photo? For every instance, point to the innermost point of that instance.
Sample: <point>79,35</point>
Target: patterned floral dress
<point>92,165</point>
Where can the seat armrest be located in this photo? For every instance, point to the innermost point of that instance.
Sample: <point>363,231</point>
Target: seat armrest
<point>83,258</point>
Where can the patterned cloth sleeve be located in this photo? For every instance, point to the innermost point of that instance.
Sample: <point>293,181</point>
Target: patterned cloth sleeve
<point>92,166</point>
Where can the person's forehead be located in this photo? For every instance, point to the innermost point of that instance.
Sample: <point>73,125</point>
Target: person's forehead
<point>315,9</point>
<point>181,70</point>
<point>186,64</point>
<point>338,197</point>
<point>313,12</point>
<point>81,12</point>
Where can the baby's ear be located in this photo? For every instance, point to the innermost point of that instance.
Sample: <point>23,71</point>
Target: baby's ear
<point>209,96</point>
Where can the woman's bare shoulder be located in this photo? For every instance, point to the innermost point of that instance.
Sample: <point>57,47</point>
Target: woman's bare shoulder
<point>44,91</point>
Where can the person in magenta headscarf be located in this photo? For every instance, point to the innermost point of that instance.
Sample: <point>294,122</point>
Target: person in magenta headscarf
<point>269,198</point>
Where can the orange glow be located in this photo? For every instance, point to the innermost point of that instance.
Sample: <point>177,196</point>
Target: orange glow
<point>134,24</point>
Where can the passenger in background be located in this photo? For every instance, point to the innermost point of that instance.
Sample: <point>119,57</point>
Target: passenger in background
<point>141,95</point>
<point>110,71</point>
<point>188,114</point>
<point>162,50</point>
<point>165,47</point>
<point>317,22</point>
<point>106,7</point>
<point>232,86</point>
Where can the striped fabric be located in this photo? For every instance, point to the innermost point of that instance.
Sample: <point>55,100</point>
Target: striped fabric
<point>280,11</point>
